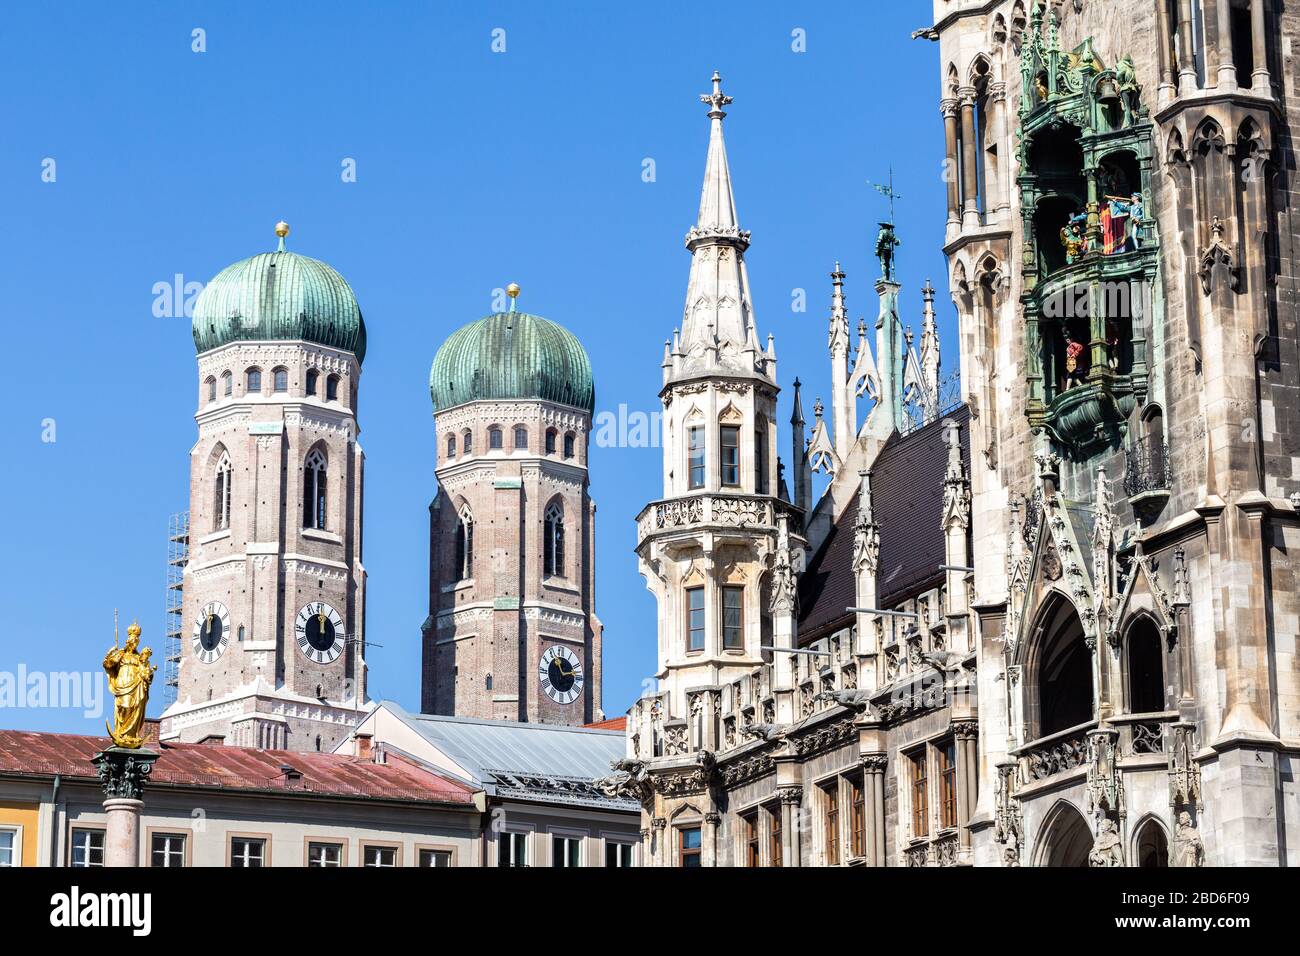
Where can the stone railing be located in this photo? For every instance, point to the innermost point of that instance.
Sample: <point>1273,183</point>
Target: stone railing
<point>1143,734</point>
<point>917,855</point>
<point>1057,753</point>
<point>714,511</point>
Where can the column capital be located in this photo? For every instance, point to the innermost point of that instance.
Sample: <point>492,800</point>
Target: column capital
<point>949,107</point>
<point>967,95</point>
<point>790,796</point>
<point>123,772</point>
<point>875,763</point>
<point>966,729</point>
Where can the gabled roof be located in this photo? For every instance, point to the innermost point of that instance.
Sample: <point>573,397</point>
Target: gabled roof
<point>531,761</point>
<point>236,768</point>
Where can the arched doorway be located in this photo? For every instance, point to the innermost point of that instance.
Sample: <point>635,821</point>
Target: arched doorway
<point>1152,846</point>
<point>1062,671</point>
<point>1144,663</point>
<point>1065,838</point>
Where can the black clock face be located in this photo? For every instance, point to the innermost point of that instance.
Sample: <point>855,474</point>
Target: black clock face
<point>561,674</point>
<point>320,632</point>
<point>210,633</point>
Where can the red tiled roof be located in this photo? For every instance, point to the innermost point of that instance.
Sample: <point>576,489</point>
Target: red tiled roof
<point>236,768</point>
<point>614,723</point>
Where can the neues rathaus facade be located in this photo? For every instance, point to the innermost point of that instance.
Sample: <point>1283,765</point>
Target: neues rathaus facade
<point>1050,619</point>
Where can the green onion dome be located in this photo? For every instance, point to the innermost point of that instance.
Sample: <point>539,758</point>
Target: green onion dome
<point>512,355</point>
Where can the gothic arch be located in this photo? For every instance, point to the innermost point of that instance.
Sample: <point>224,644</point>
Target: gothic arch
<point>980,71</point>
<point>1208,136</point>
<point>1175,149</point>
<point>1059,688</point>
<point>1144,665</point>
<point>953,81</point>
<point>1064,837</point>
<point>1150,847</point>
<point>998,32</point>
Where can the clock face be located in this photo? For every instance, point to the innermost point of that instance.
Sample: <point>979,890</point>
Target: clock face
<point>211,632</point>
<point>320,633</point>
<point>560,672</point>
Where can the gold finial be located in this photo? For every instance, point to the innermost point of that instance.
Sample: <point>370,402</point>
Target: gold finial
<point>512,290</point>
<point>282,229</point>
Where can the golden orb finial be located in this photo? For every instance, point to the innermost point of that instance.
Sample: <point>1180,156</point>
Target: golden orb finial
<point>512,290</point>
<point>282,229</point>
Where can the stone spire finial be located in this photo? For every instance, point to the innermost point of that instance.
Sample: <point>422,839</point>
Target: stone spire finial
<point>930,342</point>
<point>717,99</point>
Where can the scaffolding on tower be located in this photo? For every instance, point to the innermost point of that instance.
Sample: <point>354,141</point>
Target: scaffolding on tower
<point>178,555</point>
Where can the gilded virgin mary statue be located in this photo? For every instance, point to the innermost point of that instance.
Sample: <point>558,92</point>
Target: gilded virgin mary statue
<point>129,676</point>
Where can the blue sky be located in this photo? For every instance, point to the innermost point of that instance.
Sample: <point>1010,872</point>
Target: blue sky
<point>474,169</point>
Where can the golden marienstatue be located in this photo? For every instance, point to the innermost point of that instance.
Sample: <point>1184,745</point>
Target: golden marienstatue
<point>129,676</point>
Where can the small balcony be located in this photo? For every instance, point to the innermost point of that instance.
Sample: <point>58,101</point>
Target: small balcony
<point>1147,477</point>
<point>708,511</point>
<point>1056,753</point>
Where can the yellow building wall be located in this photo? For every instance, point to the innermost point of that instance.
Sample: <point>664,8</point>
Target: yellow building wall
<point>22,815</point>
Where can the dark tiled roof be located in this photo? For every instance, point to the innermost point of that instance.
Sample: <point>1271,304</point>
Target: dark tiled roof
<point>907,496</point>
<point>237,768</point>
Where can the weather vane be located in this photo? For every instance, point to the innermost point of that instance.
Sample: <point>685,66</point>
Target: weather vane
<point>887,192</point>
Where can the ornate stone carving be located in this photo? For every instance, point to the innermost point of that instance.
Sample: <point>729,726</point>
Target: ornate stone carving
<point>1219,256</point>
<point>866,536</point>
<point>123,772</point>
<point>1107,848</point>
<point>1188,849</point>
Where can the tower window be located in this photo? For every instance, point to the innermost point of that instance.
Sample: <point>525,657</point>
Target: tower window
<point>760,458</point>
<point>280,379</point>
<point>550,441</point>
<point>227,384</point>
<point>695,455</point>
<point>730,455</point>
<point>695,619</point>
<point>495,439</point>
<point>466,441</point>
<point>212,389</point>
<point>521,438</point>
<point>553,541</point>
<point>221,498</point>
<point>568,444</point>
<point>465,545</point>
<point>312,377</point>
<point>733,618</point>
<point>332,388</point>
<point>451,447</point>
<point>253,381</point>
<point>313,491</point>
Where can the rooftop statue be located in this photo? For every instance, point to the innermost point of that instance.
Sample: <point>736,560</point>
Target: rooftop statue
<point>129,676</point>
<point>886,243</point>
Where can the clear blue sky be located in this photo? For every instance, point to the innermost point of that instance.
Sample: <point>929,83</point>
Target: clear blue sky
<point>474,169</point>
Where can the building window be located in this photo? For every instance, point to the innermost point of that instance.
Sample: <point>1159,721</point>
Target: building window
<point>919,794</point>
<point>733,618</point>
<point>247,853</point>
<point>313,491</point>
<point>227,384</point>
<point>946,755</point>
<point>379,856</point>
<point>550,441</point>
<point>435,858</point>
<point>465,545</point>
<point>858,819</point>
<point>695,619</point>
<point>695,456</point>
<point>730,455</point>
<point>87,848</point>
<point>332,388</point>
<point>831,822</point>
<point>280,379</point>
<point>553,541</point>
<point>512,849</point>
<point>568,444</point>
<point>1146,670</point>
<point>688,847</point>
<point>774,834</point>
<point>451,447</point>
<point>566,851</point>
<point>521,438</point>
<point>752,844</point>
<point>212,389</point>
<point>466,442</point>
<point>9,848</point>
<point>312,377</point>
<point>760,457</point>
<point>221,495</point>
<point>167,849</point>
<point>253,381</point>
<point>324,854</point>
<point>495,440</point>
<point>618,854</point>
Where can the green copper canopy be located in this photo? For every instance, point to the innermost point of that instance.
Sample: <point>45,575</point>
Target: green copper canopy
<point>512,355</point>
<point>279,295</point>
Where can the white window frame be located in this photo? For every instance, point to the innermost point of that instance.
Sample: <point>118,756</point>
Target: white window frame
<point>16,849</point>
<point>325,845</point>
<point>169,836</point>
<point>513,837</point>
<point>260,843</point>
<point>380,848</point>
<point>72,847</point>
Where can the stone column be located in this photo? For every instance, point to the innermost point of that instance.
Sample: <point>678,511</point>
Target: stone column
<point>1259,44</point>
<point>966,736</point>
<point>873,766</point>
<point>659,853</point>
<point>712,821</point>
<point>999,197</point>
<point>969,157</point>
<point>1186,63</point>
<point>123,773</point>
<point>1227,79</point>
<point>791,801</point>
<point>1166,45</point>
<point>952,171</point>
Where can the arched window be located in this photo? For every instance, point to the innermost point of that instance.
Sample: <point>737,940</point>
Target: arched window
<point>729,439</point>
<point>550,441</point>
<point>280,379</point>
<point>553,540</point>
<point>313,491</point>
<point>487,682</point>
<point>466,442</point>
<point>695,456</point>
<point>1144,662</point>
<point>760,456</point>
<point>332,388</point>
<point>568,444</point>
<point>521,438</point>
<point>495,439</point>
<point>451,447</point>
<point>1062,672</point>
<point>312,377</point>
<point>1152,846</point>
<point>253,381</point>
<point>465,545</point>
<point>227,384</point>
<point>221,494</point>
<point>212,388</point>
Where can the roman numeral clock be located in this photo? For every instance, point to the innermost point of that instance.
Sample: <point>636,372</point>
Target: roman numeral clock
<point>211,632</point>
<point>560,672</point>
<point>320,633</point>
